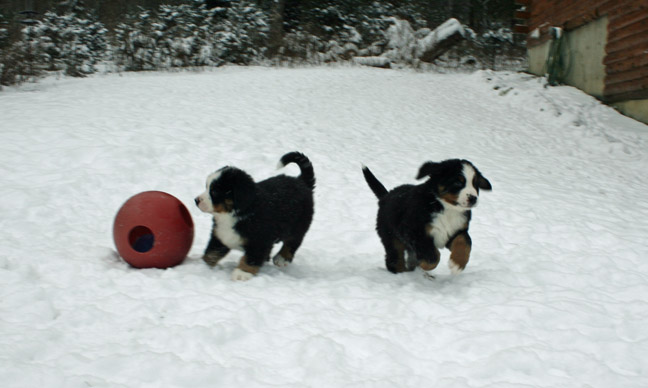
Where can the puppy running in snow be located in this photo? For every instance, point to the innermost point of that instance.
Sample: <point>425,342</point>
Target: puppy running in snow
<point>421,219</point>
<point>253,216</point>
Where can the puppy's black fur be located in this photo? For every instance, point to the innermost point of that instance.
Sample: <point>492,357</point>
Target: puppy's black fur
<point>415,221</point>
<point>254,216</point>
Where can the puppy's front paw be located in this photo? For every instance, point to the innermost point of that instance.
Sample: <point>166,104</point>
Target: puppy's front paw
<point>240,275</point>
<point>455,268</point>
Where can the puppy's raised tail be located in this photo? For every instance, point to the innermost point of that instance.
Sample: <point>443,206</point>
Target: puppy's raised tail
<point>307,174</point>
<point>374,184</point>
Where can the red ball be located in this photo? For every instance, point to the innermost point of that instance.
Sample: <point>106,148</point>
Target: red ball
<point>153,230</point>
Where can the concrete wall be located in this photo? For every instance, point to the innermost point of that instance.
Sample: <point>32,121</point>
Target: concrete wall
<point>637,109</point>
<point>538,58</point>
<point>584,53</point>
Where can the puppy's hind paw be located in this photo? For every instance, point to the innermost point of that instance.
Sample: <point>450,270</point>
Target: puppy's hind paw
<point>211,259</point>
<point>280,261</point>
<point>240,275</point>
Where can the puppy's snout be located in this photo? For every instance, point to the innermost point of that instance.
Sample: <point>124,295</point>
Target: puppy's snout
<point>472,200</point>
<point>197,200</point>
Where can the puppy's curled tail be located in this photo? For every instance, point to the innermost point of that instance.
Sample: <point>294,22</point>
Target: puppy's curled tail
<point>374,184</point>
<point>307,174</point>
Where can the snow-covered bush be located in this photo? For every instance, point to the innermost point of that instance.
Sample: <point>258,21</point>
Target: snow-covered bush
<point>242,35</point>
<point>184,35</point>
<point>22,59</point>
<point>70,42</point>
<point>135,47</point>
<point>300,46</point>
<point>191,35</point>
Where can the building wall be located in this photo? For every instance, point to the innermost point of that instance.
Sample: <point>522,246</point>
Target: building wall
<point>607,47</point>
<point>583,51</point>
<point>637,109</point>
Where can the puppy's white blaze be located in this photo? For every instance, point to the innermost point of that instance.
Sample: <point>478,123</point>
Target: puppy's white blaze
<point>225,230</point>
<point>205,204</point>
<point>240,275</point>
<point>469,173</point>
<point>454,267</point>
<point>445,224</point>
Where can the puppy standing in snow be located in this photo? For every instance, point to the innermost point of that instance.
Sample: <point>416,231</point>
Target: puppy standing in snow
<point>415,221</point>
<point>252,217</point>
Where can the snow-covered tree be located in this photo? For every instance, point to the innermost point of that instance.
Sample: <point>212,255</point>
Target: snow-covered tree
<point>135,47</point>
<point>184,35</point>
<point>22,59</point>
<point>242,36</point>
<point>73,41</point>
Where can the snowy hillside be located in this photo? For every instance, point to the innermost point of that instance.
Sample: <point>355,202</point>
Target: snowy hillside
<point>555,294</point>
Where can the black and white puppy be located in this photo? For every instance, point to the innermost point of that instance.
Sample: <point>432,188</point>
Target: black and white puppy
<point>252,217</point>
<point>415,221</point>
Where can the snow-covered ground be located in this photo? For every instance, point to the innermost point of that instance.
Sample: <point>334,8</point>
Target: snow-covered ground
<point>555,294</point>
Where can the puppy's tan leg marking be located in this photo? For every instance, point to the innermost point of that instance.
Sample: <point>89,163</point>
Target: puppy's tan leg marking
<point>460,254</point>
<point>426,265</point>
<point>244,271</point>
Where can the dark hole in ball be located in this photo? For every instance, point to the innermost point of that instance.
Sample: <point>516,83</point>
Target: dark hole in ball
<point>141,239</point>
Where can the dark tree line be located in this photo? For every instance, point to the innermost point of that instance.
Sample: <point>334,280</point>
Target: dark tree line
<point>73,36</point>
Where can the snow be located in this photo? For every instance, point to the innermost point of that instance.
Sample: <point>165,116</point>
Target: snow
<point>444,31</point>
<point>404,44</point>
<point>554,294</point>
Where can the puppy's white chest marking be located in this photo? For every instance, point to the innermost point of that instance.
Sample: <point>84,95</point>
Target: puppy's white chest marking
<point>225,230</point>
<point>445,224</point>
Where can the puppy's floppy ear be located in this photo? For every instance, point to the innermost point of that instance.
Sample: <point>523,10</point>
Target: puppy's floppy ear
<point>483,183</point>
<point>430,169</point>
<point>243,192</point>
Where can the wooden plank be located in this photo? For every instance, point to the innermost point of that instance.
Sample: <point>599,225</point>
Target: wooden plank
<point>628,86</point>
<point>625,76</point>
<point>623,55</point>
<point>568,14</point>
<point>632,42</point>
<point>580,13</point>
<point>622,21</point>
<point>541,13</point>
<point>627,96</point>
<point>609,8</point>
<point>628,63</point>
<point>579,21</point>
<point>640,26</point>
<point>628,14</point>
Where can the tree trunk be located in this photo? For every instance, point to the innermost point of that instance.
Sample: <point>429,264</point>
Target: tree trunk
<point>275,38</point>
